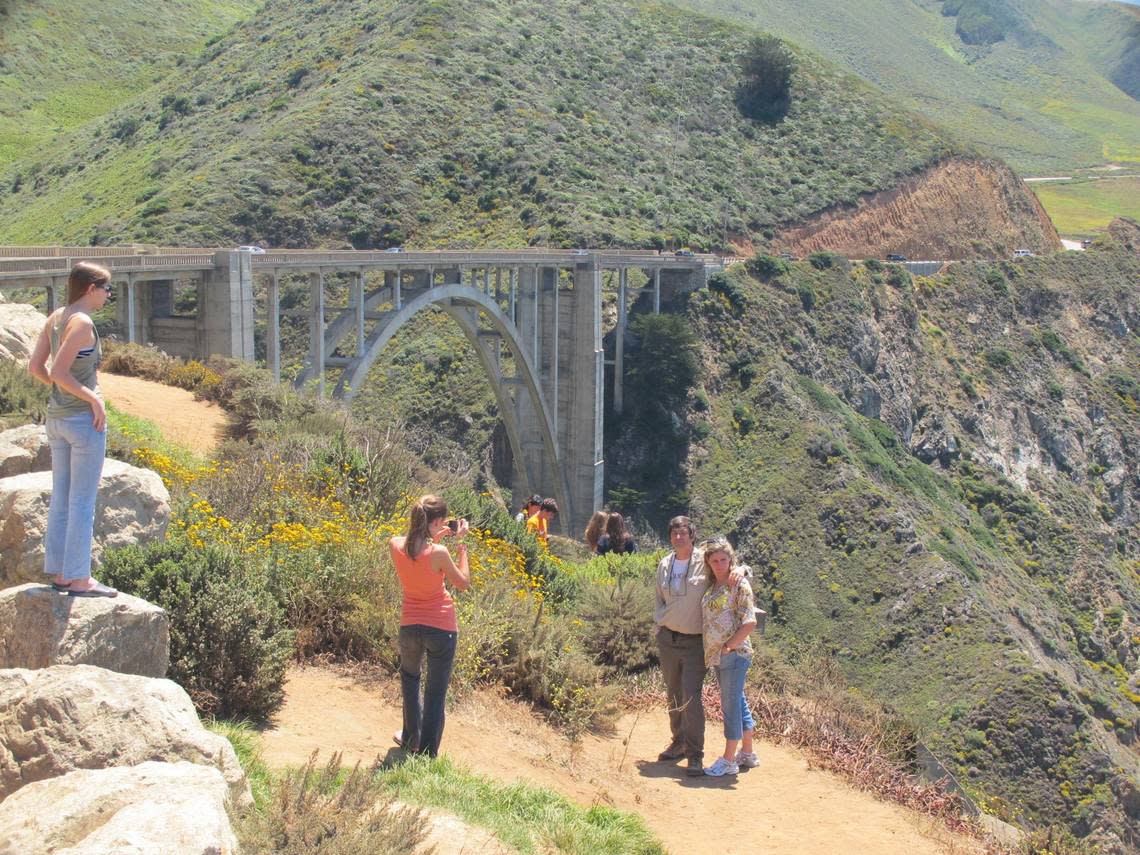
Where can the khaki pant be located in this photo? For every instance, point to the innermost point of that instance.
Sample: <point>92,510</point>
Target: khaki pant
<point>683,667</point>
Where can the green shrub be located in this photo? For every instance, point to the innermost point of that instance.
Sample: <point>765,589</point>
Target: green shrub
<point>228,643</point>
<point>23,399</point>
<point>620,624</point>
<point>720,283</point>
<point>311,810</point>
<point>998,357</point>
<point>341,601</point>
<point>824,260</point>
<point>766,266</point>
<point>136,360</point>
<point>766,72</point>
<point>807,295</point>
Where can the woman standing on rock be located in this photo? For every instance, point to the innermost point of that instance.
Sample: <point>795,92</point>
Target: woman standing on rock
<point>76,429</point>
<point>728,618</point>
<point>427,618</point>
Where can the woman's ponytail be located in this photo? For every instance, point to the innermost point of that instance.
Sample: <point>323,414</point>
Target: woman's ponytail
<point>426,510</point>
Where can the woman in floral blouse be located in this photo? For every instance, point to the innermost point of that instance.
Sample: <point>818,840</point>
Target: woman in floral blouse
<point>728,619</point>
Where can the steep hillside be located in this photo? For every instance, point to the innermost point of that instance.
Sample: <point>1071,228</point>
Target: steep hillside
<point>64,62</point>
<point>459,122</point>
<point>1052,90</point>
<point>957,209</point>
<point>937,482</point>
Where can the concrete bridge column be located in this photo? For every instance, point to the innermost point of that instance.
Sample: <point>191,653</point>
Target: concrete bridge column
<point>395,287</point>
<point>273,326</point>
<point>547,320</point>
<point>584,413</point>
<point>533,471</point>
<point>317,329</point>
<point>358,307</point>
<point>619,342</point>
<point>225,307</point>
<point>513,286</point>
<point>56,294</point>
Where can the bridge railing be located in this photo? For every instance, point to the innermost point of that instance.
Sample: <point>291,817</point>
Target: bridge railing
<point>98,251</point>
<point>116,263</point>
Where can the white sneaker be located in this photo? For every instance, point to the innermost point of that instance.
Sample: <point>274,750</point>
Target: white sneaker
<point>747,760</point>
<point>722,767</point>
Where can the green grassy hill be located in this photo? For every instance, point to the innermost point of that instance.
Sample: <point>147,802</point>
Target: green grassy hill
<point>462,122</point>
<point>1056,92</point>
<point>63,62</point>
<point>936,483</point>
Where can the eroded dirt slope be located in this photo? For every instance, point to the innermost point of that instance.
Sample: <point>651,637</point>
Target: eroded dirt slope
<point>960,208</point>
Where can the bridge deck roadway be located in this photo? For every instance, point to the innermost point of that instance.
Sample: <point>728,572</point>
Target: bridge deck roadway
<point>23,267</point>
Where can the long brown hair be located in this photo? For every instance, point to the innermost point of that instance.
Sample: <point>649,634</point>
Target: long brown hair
<point>426,510</point>
<point>83,275</point>
<point>615,528</point>
<point>594,529</point>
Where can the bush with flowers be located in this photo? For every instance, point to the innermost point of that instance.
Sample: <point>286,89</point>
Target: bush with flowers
<point>305,503</point>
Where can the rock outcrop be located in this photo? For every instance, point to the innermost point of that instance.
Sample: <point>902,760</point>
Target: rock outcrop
<point>67,717</point>
<point>20,326</point>
<point>959,208</point>
<point>40,627</point>
<point>133,507</point>
<point>24,449</point>
<point>173,808</point>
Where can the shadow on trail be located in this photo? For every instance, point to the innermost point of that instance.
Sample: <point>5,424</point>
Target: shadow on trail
<point>658,769</point>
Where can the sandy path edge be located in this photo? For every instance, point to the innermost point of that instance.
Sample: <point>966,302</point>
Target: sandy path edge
<point>785,805</point>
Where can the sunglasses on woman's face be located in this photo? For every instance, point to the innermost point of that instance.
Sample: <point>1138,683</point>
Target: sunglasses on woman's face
<point>105,286</point>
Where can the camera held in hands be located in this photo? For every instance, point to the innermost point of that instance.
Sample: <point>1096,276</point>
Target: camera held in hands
<point>453,524</point>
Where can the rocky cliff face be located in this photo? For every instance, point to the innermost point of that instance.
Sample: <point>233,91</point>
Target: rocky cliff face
<point>960,208</point>
<point>936,480</point>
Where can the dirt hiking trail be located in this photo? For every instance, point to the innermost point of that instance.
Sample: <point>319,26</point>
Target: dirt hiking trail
<point>197,425</point>
<point>783,806</point>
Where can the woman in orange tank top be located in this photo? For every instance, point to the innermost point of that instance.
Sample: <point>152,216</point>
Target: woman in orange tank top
<point>427,619</point>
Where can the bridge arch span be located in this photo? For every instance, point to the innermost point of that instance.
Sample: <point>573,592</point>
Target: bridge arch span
<point>464,305</point>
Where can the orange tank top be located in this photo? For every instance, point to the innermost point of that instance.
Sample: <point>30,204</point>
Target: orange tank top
<point>426,601</point>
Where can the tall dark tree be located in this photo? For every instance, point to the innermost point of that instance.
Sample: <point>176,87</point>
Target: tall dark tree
<point>765,90</point>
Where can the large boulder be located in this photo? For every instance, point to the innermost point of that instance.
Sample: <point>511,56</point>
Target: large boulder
<point>20,326</point>
<point>67,717</point>
<point>172,808</point>
<point>24,449</point>
<point>40,627</point>
<point>133,507</point>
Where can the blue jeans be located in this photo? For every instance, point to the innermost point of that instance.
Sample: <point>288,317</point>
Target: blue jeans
<point>730,674</point>
<point>423,726</point>
<point>77,452</point>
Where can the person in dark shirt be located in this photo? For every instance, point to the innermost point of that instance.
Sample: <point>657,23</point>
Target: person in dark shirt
<point>617,538</point>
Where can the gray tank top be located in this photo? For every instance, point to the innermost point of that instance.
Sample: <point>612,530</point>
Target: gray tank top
<point>62,403</point>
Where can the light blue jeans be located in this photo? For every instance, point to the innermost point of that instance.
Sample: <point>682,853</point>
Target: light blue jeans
<point>77,452</point>
<point>730,674</point>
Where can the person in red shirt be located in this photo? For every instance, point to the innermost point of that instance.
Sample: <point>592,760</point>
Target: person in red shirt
<point>428,626</point>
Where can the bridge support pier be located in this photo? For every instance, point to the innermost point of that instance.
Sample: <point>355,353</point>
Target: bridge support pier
<point>225,307</point>
<point>584,413</point>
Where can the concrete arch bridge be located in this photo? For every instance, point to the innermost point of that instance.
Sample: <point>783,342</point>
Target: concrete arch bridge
<point>533,317</point>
